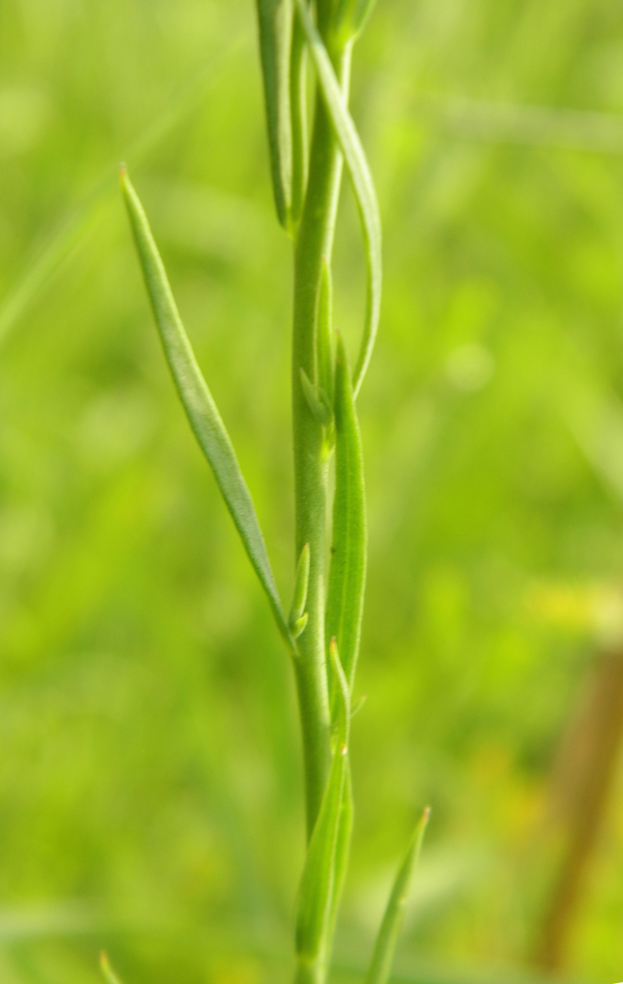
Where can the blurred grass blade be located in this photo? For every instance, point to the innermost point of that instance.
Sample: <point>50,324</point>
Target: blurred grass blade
<point>275,19</point>
<point>109,975</point>
<point>197,400</point>
<point>363,186</point>
<point>318,881</point>
<point>387,938</point>
<point>347,574</point>
<point>71,231</point>
<point>323,332</point>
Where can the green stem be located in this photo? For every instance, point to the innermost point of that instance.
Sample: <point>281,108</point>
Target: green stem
<point>310,973</point>
<point>314,241</point>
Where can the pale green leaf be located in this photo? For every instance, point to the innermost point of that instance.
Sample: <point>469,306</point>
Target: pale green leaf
<point>362,183</point>
<point>347,574</point>
<point>387,938</point>
<point>275,20</point>
<point>318,883</point>
<point>197,400</point>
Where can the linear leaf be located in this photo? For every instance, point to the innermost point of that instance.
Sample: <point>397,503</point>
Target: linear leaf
<point>197,400</point>
<point>385,945</point>
<point>362,183</point>
<point>316,892</point>
<point>347,575</point>
<point>275,19</point>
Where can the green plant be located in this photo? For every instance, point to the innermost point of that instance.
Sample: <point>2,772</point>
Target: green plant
<point>323,627</point>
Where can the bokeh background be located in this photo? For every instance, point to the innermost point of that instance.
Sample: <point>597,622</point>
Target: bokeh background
<point>150,790</point>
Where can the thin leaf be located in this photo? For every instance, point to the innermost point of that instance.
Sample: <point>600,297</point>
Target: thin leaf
<point>197,401</point>
<point>385,945</point>
<point>109,975</point>
<point>301,583</point>
<point>347,575</point>
<point>362,183</point>
<point>316,892</point>
<point>275,19</point>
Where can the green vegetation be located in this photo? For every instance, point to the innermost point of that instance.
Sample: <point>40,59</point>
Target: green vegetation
<point>150,781</point>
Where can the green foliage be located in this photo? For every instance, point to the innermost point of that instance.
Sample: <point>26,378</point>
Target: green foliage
<point>150,768</point>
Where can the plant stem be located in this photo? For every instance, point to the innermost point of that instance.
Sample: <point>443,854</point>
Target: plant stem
<point>310,973</point>
<point>313,243</point>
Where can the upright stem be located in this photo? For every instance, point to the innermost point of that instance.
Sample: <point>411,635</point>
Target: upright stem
<point>314,241</point>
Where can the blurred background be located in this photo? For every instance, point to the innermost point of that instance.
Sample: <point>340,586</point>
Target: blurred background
<point>150,789</point>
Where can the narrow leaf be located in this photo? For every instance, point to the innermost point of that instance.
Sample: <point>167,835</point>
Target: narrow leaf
<point>300,586</point>
<point>275,20</point>
<point>109,975</point>
<point>324,333</point>
<point>362,183</point>
<point>198,403</point>
<point>316,893</point>
<point>347,574</point>
<point>385,945</point>
<point>317,400</point>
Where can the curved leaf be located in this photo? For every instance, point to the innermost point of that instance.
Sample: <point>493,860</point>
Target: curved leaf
<point>197,400</point>
<point>347,575</point>
<point>362,183</point>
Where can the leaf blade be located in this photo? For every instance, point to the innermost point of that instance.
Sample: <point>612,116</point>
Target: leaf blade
<point>197,401</point>
<point>363,186</point>
<point>385,944</point>
<point>347,573</point>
